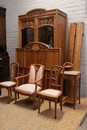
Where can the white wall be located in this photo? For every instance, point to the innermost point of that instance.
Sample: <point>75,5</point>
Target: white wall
<point>76,12</point>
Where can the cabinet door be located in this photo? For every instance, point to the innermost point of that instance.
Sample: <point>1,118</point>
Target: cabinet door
<point>46,35</point>
<point>27,36</point>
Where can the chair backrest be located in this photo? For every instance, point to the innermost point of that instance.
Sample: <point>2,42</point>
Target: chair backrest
<point>56,77</point>
<point>68,66</point>
<point>36,72</point>
<point>14,70</point>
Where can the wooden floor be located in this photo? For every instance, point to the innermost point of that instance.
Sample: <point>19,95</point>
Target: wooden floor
<point>21,116</point>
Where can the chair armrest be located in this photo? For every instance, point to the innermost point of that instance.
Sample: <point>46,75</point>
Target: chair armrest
<point>38,79</point>
<point>20,78</point>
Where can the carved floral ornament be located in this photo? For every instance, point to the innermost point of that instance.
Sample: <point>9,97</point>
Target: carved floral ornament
<point>40,22</point>
<point>36,46</point>
<point>46,21</point>
<point>36,12</point>
<point>28,23</point>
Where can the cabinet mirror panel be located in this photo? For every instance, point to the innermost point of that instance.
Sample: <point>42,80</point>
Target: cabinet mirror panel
<point>27,36</point>
<point>46,35</point>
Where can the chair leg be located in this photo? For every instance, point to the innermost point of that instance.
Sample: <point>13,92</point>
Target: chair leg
<point>9,90</point>
<point>55,108</point>
<point>38,104</point>
<point>49,104</point>
<point>18,95</point>
<point>15,94</point>
<point>42,100</point>
<point>79,89</point>
<point>34,98</point>
<point>61,102</point>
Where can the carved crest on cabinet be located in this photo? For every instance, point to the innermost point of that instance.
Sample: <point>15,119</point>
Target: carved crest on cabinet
<point>44,21</point>
<point>35,12</point>
<point>36,46</point>
<point>28,24</point>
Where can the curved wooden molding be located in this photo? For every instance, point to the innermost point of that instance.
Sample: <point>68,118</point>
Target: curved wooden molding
<point>36,12</point>
<point>37,46</point>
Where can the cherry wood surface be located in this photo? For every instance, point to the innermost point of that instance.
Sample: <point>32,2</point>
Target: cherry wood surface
<point>75,77</point>
<point>35,19</point>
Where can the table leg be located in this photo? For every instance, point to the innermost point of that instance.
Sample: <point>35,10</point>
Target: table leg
<point>79,88</point>
<point>38,103</point>
<point>74,93</point>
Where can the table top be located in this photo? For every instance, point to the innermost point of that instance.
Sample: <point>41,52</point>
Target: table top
<point>72,72</point>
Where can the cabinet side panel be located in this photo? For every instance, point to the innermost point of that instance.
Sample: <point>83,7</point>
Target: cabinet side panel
<point>61,36</point>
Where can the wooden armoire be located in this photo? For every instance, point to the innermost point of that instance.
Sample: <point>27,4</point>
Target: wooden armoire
<point>41,38</point>
<point>4,57</point>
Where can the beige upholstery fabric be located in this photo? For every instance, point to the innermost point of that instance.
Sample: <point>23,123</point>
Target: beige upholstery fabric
<point>54,92</point>
<point>8,83</point>
<point>39,73</point>
<point>34,84</point>
<point>32,75</point>
<point>28,88</point>
<point>51,92</point>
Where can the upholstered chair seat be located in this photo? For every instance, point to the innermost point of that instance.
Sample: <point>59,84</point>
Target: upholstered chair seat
<point>51,92</point>
<point>34,82</point>
<point>28,88</point>
<point>11,83</point>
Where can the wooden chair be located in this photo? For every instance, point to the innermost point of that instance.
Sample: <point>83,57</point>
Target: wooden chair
<point>34,82</point>
<point>14,71</point>
<point>55,88</point>
<point>68,66</point>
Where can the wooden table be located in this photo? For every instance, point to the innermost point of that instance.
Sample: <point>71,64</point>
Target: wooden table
<point>75,76</point>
